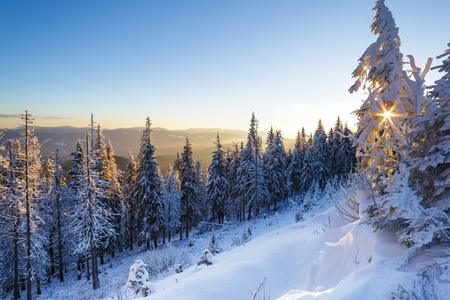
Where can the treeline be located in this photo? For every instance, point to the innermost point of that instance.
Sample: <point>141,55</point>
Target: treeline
<point>53,221</point>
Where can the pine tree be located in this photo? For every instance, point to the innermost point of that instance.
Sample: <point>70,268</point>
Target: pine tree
<point>12,221</point>
<point>295,166</point>
<point>429,140</point>
<point>233,182</point>
<point>346,154</point>
<point>130,202</point>
<point>251,172</point>
<point>393,98</point>
<point>58,206</point>
<point>307,177</point>
<point>334,141</point>
<point>90,222</point>
<point>201,202</point>
<point>172,201</point>
<point>149,189</point>
<point>35,256</point>
<point>188,187</point>
<point>217,183</point>
<point>320,153</point>
<point>276,171</point>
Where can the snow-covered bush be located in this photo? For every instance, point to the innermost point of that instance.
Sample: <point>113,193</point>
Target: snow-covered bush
<point>298,217</point>
<point>207,258</point>
<point>138,279</point>
<point>212,246</point>
<point>348,207</point>
<point>166,260</point>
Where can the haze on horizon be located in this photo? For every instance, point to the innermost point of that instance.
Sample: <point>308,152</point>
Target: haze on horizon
<point>197,64</point>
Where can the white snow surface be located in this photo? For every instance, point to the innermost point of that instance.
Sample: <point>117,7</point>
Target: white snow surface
<point>318,258</point>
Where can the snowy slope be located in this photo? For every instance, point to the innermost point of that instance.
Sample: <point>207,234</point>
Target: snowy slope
<point>305,260</point>
<point>280,256</point>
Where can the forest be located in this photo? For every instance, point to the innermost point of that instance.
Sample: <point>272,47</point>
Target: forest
<point>55,220</point>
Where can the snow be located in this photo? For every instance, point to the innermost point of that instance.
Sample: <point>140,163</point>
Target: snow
<point>318,258</point>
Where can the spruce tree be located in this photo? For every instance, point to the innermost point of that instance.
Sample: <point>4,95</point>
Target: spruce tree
<point>428,143</point>
<point>172,201</point>
<point>130,202</point>
<point>90,222</point>
<point>233,182</point>
<point>59,206</point>
<point>393,98</point>
<point>251,170</point>
<point>320,153</point>
<point>276,171</point>
<point>149,189</point>
<point>217,183</point>
<point>12,221</point>
<point>188,187</point>
<point>295,165</point>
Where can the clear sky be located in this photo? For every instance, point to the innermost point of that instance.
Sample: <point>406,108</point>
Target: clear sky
<point>190,64</point>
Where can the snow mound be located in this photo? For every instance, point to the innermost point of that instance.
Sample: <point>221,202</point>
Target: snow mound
<point>353,251</point>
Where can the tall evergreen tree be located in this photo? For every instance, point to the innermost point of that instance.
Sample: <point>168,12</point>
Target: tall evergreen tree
<point>90,222</point>
<point>60,210</point>
<point>346,154</point>
<point>12,221</point>
<point>149,189</point>
<point>201,181</point>
<point>307,176</point>
<point>130,202</point>
<point>393,98</point>
<point>35,256</point>
<point>217,183</point>
<point>276,171</point>
<point>428,143</point>
<point>251,170</point>
<point>188,187</point>
<point>321,157</point>
<point>233,191</point>
<point>172,201</point>
<point>295,166</point>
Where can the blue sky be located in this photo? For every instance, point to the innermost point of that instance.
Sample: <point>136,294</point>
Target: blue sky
<point>191,64</point>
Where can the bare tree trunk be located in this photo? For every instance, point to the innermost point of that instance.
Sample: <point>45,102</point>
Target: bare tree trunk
<point>16,260</point>
<point>88,271</point>
<point>95,283</point>
<point>38,285</point>
<point>28,207</point>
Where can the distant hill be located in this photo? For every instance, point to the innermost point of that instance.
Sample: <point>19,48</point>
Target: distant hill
<point>126,141</point>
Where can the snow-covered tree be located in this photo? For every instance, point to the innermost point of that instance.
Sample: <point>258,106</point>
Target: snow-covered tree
<point>201,181</point>
<point>234,200</point>
<point>320,153</point>
<point>295,165</point>
<point>149,189</point>
<point>11,217</point>
<point>172,201</point>
<point>34,237</point>
<point>130,202</point>
<point>345,154</point>
<point>251,172</point>
<point>188,187</point>
<point>58,211</point>
<point>393,98</point>
<point>90,222</point>
<point>138,279</point>
<point>275,166</point>
<point>307,176</point>
<point>217,183</point>
<point>429,143</point>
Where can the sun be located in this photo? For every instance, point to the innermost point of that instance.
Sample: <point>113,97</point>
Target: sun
<point>387,114</point>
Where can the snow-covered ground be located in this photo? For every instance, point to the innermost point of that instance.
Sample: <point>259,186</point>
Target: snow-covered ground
<point>318,258</point>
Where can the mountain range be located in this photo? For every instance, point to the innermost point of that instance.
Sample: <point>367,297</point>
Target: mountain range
<point>126,141</point>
